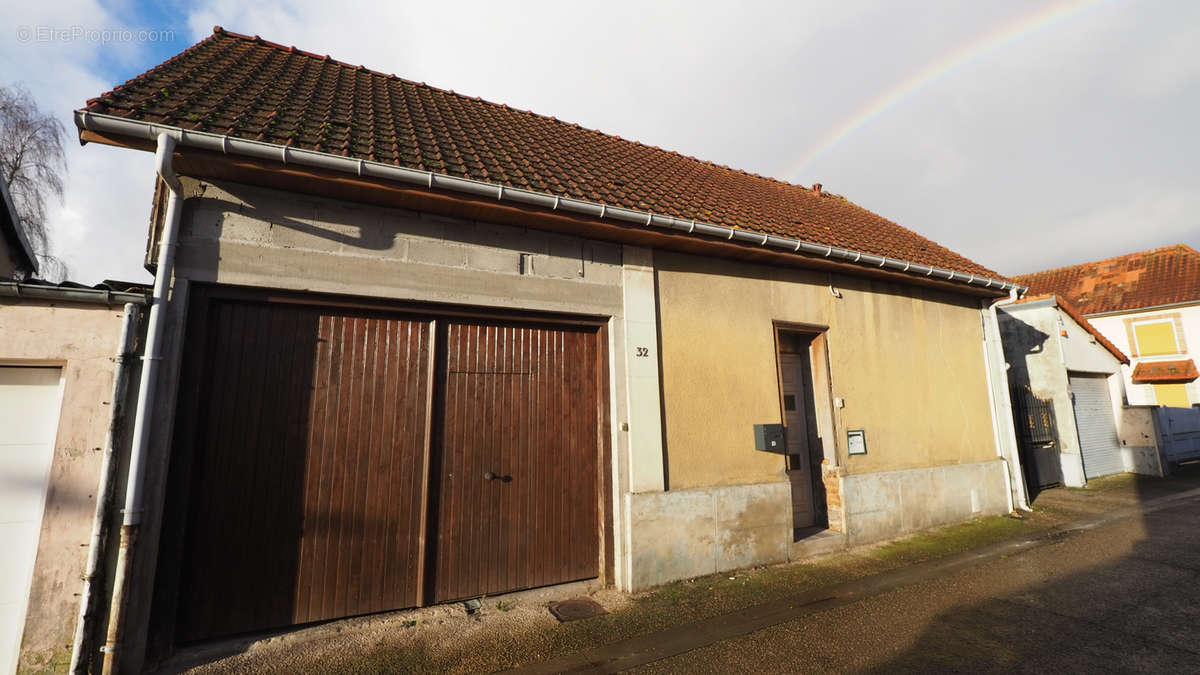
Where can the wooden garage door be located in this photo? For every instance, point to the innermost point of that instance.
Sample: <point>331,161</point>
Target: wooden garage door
<point>309,474</point>
<point>517,496</point>
<point>348,462</point>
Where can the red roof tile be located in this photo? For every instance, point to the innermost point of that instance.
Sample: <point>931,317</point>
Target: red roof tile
<point>1161,276</point>
<point>249,88</point>
<point>1075,314</point>
<point>1158,372</point>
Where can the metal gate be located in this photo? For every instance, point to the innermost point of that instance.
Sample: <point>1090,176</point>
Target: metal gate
<point>349,461</point>
<point>1178,433</point>
<point>1097,429</point>
<point>1037,436</point>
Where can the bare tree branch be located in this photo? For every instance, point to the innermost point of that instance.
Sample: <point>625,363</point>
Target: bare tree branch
<point>33,166</point>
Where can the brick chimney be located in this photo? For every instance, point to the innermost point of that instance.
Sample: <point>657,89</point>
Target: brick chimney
<point>816,188</point>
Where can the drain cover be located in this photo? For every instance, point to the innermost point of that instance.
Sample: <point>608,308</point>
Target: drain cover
<point>575,609</point>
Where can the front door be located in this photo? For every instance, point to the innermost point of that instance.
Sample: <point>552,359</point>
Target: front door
<point>796,420</point>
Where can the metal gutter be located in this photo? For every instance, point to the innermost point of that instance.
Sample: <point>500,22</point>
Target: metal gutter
<point>1002,411</point>
<point>286,155</point>
<point>151,361</point>
<point>88,609</point>
<point>98,296</point>
<point>1139,310</point>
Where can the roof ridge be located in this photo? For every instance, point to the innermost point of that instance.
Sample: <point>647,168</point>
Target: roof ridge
<point>1148,251</point>
<point>218,30</point>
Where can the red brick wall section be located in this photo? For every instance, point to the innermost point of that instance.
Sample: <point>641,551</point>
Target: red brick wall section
<point>832,478</point>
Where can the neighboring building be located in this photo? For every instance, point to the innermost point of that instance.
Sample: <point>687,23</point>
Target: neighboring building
<point>420,347</point>
<point>17,260</point>
<point>1148,305</point>
<point>1068,397</point>
<point>63,368</point>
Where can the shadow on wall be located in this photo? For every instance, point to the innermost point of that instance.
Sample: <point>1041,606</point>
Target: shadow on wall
<point>1033,417</point>
<point>1055,609</point>
<point>281,220</point>
<point>223,547</point>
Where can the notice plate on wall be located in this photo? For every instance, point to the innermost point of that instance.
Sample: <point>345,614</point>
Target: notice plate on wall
<point>856,441</point>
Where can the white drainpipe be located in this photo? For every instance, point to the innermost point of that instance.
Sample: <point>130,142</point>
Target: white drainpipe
<point>87,603</point>
<point>1002,417</point>
<point>145,402</point>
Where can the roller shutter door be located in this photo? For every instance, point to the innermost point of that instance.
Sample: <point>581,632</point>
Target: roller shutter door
<point>1097,429</point>
<point>29,406</point>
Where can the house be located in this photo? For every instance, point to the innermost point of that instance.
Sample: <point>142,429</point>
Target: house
<point>1148,305</point>
<point>66,355</point>
<point>17,260</point>
<point>409,347</point>
<point>1068,395</point>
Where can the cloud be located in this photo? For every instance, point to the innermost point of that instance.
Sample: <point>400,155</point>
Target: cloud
<point>1024,157</point>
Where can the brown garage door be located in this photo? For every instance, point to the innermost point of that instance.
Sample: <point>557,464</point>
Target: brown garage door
<point>517,498</point>
<point>330,441</point>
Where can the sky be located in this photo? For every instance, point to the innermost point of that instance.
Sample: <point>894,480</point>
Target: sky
<point>1024,135</point>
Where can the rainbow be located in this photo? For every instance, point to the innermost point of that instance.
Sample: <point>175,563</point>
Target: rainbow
<point>1030,23</point>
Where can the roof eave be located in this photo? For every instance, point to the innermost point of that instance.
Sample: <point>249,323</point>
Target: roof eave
<point>97,122</point>
<point>14,230</point>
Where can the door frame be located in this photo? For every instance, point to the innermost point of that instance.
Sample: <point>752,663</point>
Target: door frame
<point>161,642</point>
<point>822,403</point>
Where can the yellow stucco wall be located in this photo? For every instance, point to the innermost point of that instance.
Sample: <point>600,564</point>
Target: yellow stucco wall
<point>908,362</point>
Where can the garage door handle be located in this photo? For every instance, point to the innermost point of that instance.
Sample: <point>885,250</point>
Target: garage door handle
<point>490,476</point>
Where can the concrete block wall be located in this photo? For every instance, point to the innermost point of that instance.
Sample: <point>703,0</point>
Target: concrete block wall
<point>891,503</point>
<point>1139,440</point>
<point>689,533</point>
<point>253,236</point>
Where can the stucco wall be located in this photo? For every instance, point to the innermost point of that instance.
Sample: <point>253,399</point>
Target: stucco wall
<point>83,340</point>
<point>1040,355</point>
<point>907,362</point>
<point>1113,327</point>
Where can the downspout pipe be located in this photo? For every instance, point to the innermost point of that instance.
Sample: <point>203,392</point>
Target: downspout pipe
<point>85,625</point>
<point>147,395</point>
<point>1003,419</point>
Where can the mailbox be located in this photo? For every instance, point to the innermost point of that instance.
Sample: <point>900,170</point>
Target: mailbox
<point>770,438</point>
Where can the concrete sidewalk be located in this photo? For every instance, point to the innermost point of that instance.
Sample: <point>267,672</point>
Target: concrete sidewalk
<point>665,628</point>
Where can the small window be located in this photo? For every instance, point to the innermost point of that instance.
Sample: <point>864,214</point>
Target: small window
<point>789,402</point>
<point>1156,338</point>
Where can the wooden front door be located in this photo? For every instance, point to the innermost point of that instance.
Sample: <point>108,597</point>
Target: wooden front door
<point>517,502</point>
<point>796,424</point>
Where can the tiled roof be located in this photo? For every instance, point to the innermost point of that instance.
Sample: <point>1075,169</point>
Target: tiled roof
<point>249,88</point>
<point>1161,276</point>
<point>1073,312</point>
<point>1158,372</point>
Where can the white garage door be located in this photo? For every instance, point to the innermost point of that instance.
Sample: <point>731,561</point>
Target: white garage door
<point>29,400</point>
<point>1097,429</point>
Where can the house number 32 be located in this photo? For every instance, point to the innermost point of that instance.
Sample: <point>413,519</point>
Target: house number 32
<point>643,352</point>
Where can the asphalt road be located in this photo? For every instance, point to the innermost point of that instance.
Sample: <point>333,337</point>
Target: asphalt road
<point>1122,597</point>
